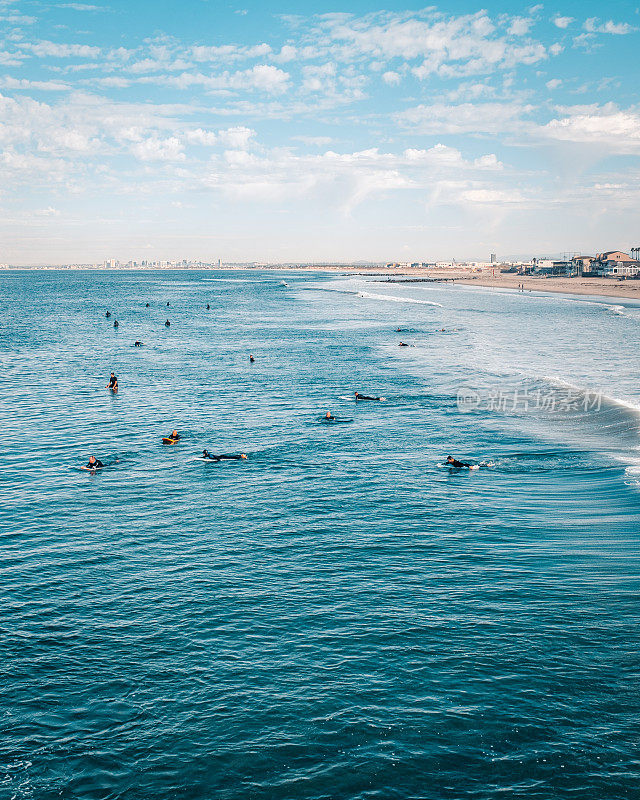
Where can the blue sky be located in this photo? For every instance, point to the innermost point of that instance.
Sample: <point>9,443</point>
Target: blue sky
<point>316,131</point>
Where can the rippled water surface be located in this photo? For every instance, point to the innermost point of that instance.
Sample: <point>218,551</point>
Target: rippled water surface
<point>340,615</point>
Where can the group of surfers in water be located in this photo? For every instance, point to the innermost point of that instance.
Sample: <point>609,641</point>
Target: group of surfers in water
<point>174,437</point>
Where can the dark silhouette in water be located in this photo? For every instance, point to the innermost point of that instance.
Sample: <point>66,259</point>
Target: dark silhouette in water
<point>365,397</point>
<point>166,324</point>
<point>116,323</point>
<point>208,306</point>
<point>137,343</point>
<point>224,457</point>
<point>251,358</point>
<point>147,305</point>
<point>108,314</point>
<point>167,302</point>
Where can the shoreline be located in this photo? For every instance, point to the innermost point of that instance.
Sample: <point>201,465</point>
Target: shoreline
<point>603,287</point>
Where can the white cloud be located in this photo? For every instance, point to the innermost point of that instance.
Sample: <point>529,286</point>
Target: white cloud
<point>520,26</point>
<point>201,137</point>
<point>554,83</point>
<point>593,25</point>
<point>463,118</point>
<point>604,126</point>
<point>562,22</point>
<point>51,49</point>
<point>237,138</point>
<point>154,149</point>
<point>391,78</point>
<point>47,212</point>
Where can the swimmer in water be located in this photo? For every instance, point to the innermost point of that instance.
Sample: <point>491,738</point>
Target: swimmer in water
<point>137,343</point>
<point>208,307</point>
<point>115,323</point>
<point>174,435</point>
<point>93,464</point>
<point>113,383</point>
<point>108,314</point>
<point>251,359</point>
<point>147,305</point>
<point>167,324</point>
<point>329,415</point>
<point>365,397</point>
<point>457,464</point>
<point>224,457</point>
<point>403,344</point>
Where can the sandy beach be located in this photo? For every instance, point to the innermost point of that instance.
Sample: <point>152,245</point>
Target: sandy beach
<point>629,289</point>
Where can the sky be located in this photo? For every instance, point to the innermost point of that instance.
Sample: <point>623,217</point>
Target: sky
<point>316,131</point>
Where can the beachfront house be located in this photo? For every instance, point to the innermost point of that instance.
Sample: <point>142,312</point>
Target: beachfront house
<point>615,264</point>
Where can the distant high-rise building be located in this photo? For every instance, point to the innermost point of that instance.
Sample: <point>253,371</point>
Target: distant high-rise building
<point>219,263</point>
<point>494,258</point>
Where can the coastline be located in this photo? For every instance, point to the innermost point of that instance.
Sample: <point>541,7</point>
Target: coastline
<point>603,287</point>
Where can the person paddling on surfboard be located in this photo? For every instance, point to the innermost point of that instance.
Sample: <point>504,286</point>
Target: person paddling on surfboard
<point>224,457</point>
<point>113,383</point>
<point>174,435</point>
<point>457,464</point>
<point>329,415</point>
<point>94,463</point>
<point>365,397</point>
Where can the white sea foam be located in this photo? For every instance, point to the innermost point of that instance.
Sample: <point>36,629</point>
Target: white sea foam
<point>393,299</point>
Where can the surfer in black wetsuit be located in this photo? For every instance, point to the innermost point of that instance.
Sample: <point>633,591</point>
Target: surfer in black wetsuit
<point>251,359</point>
<point>116,323</point>
<point>329,415</point>
<point>174,435</point>
<point>94,463</point>
<point>224,457</point>
<point>108,314</point>
<point>167,323</point>
<point>457,464</point>
<point>403,344</point>
<point>208,307</point>
<point>365,397</point>
<point>113,383</point>
<point>147,305</point>
<point>137,343</point>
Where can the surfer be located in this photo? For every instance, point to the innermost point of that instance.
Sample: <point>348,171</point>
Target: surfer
<point>457,464</point>
<point>208,307</point>
<point>167,302</point>
<point>147,305</point>
<point>167,323</point>
<point>403,344</point>
<point>115,323</point>
<point>93,464</point>
<point>174,436</point>
<point>223,457</point>
<point>113,383</point>
<point>108,314</point>
<point>251,359</point>
<point>329,415</point>
<point>137,343</point>
<point>365,397</point>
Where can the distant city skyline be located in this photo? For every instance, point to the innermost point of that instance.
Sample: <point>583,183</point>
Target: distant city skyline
<point>195,131</point>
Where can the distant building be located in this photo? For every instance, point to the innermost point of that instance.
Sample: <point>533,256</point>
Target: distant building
<point>494,258</point>
<point>615,263</point>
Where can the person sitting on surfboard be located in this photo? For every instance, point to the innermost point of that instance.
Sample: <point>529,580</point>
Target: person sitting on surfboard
<point>329,415</point>
<point>224,457</point>
<point>457,464</point>
<point>94,463</point>
<point>365,397</point>
<point>113,383</point>
<point>251,358</point>
<point>174,435</point>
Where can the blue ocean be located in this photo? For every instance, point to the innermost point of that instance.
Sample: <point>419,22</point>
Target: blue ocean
<point>342,614</point>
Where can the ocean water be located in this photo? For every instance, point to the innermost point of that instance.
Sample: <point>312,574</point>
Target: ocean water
<point>340,615</point>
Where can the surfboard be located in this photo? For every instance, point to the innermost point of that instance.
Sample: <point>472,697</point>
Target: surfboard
<point>166,440</point>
